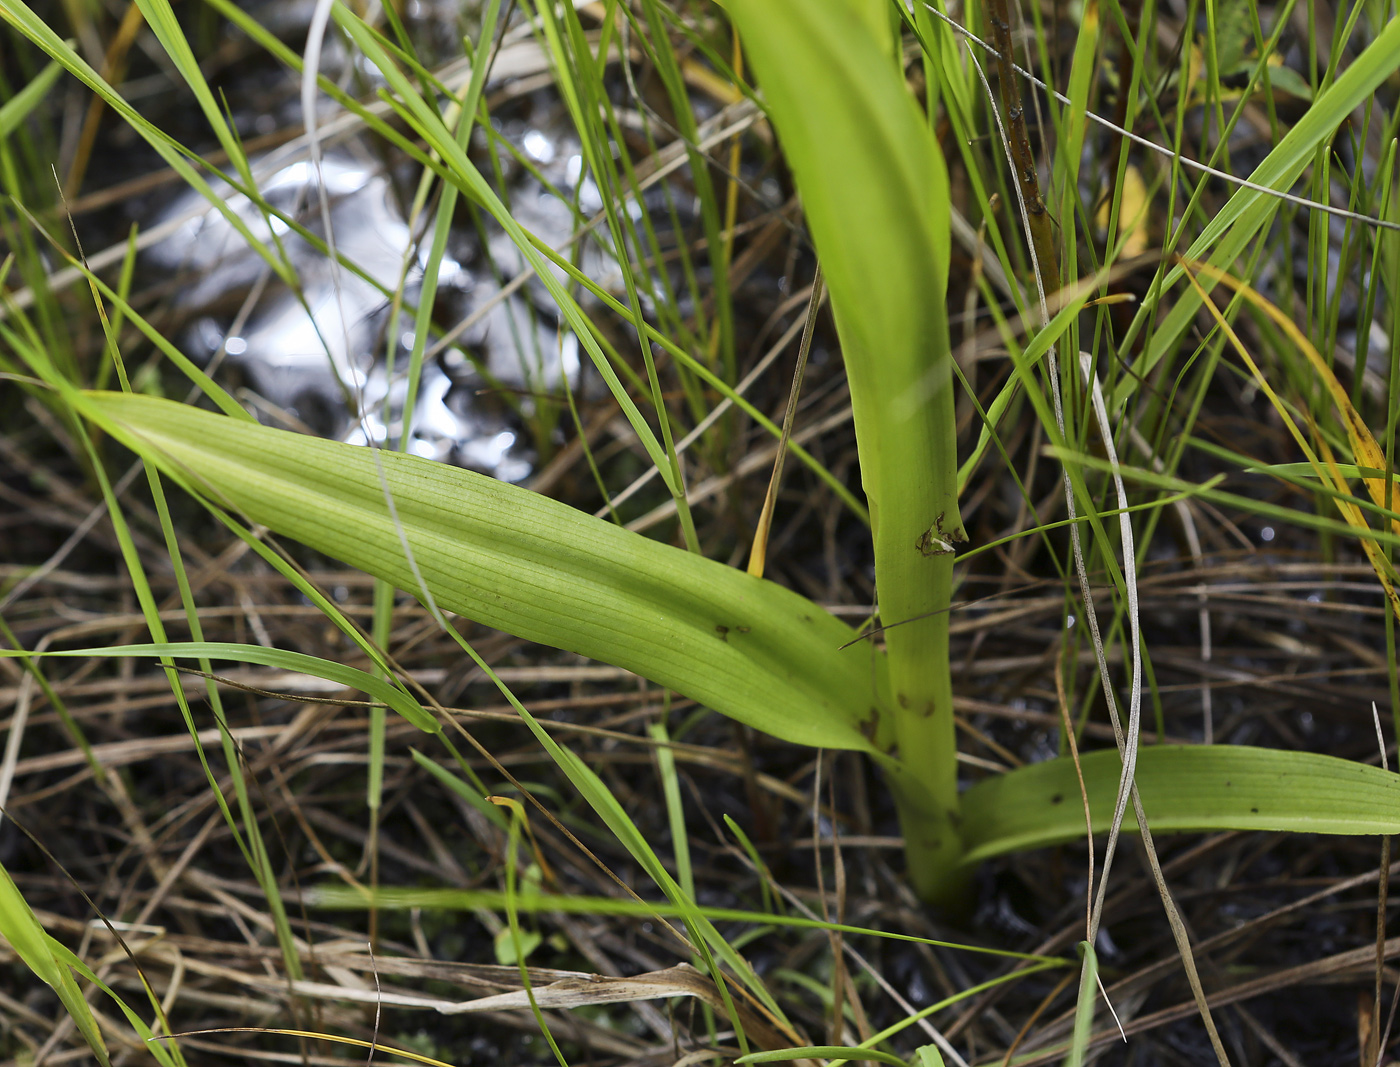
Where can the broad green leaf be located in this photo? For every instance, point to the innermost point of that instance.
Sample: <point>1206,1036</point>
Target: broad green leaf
<point>1288,80</point>
<point>1184,787</point>
<point>874,191</point>
<point>520,562</point>
<point>509,951</point>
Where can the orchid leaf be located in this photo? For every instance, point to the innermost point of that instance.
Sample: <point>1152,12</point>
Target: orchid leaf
<point>520,562</point>
<point>1184,787</point>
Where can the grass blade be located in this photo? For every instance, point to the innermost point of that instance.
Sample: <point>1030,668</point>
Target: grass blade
<point>18,107</point>
<point>277,658</point>
<point>21,929</point>
<point>784,1055</point>
<point>1228,233</point>
<point>1084,1010</point>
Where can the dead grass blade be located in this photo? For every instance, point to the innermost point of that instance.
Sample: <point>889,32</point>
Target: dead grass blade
<point>1128,746</point>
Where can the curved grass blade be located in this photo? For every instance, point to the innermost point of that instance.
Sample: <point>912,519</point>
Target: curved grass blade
<point>17,108</point>
<point>1364,447</point>
<point>26,22</point>
<point>314,1035</point>
<point>826,1052</point>
<point>338,896</point>
<point>278,658</point>
<point>475,797</point>
<point>1229,232</point>
<point>708,942</point>
<point>531,566</point>
<point>1183,787</point>
<point>714,381</point>
<point>163,1047</point>
<point>1251,505</point>
<point>1084,1009</point>
<point>429,124</point>
<point>22,931</point>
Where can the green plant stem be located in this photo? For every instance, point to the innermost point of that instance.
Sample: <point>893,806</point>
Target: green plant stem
<point>916,528</point>
<point>875,193</point>
<point>914,580</point>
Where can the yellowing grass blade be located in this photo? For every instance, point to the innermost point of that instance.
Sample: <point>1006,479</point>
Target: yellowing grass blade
<point>1358,433</point>
<point>1352,514</point>
<point>1365,449</point>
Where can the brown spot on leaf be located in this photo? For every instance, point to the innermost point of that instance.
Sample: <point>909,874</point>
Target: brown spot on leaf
<point>953,533</point>
<point>939,539</point>
<point>870,724</point>
<point>930,545</point>
<point>723,632</point>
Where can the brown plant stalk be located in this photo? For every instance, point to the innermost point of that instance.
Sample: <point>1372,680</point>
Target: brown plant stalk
<point>1042,234</point>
